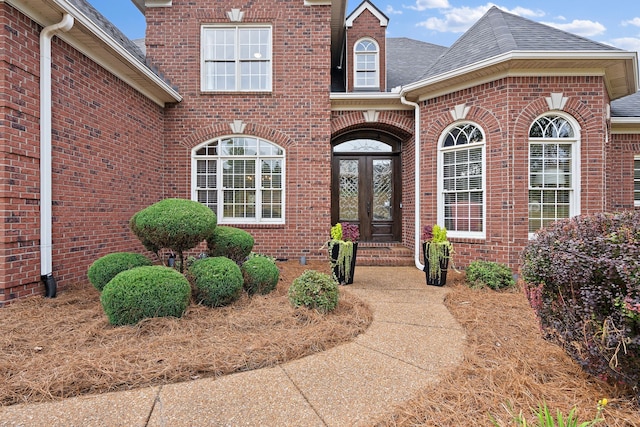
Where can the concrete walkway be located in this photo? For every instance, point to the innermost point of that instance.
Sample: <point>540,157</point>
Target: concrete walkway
<point>412,338</point>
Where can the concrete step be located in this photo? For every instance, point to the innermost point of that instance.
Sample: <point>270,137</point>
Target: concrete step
<point>384,254</point>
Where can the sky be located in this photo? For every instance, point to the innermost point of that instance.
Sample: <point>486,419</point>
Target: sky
<point>442,21</point>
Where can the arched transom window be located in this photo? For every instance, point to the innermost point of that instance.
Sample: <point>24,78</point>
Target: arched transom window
<point>461,183</point>
<point>366,64</point>
<point>240,178</point>
<point>553,170</point>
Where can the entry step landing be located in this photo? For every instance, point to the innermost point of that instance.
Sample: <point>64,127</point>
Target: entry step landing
<point>384,254</point>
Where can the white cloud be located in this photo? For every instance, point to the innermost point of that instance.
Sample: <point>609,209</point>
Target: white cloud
<point>429,4</point>
<point>580,27</point>
<point>627,43</point>
<point>391,11</point>
<point>635,21</point>
<point>460,19</point>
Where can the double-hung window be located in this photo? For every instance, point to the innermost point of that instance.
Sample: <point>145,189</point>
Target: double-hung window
<point>366,64</point>
<point>241,179</point>
<point>553,171</point>
<point>461,182</point>
<point>236,58</point>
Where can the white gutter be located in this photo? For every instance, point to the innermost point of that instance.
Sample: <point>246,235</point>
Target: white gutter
<point>46,244</point>
<point>416,142</point>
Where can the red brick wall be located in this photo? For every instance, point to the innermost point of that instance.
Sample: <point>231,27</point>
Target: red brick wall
<point>620,185</point>
<point>294,115</point>
<point>505,109</point>
<point>366,25</point>
<point>107,160</point>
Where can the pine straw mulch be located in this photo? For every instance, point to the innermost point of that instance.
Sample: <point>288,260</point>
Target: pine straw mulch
<point>507,363</point>
<point>56,348</point>
<point>64,347</point>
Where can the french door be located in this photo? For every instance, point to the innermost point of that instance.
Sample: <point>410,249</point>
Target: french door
<point>366,191</point>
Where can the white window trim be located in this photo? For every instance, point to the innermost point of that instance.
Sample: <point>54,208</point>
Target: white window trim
<point>636,203</point>
<point>203,88</point>
<point>220,210</point>
<point>440,178</point>
<point>355,64</point>
<point>576,172</point>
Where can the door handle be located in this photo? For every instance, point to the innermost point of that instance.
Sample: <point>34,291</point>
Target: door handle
<point>369,209</point>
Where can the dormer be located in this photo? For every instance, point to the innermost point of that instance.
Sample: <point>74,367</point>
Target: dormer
<point>366,29</point>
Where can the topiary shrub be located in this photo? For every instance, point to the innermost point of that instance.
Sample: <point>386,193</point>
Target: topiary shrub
<point>481,274</point>
<point>106,268</point>
<point>260,275</point>
<point>583,280</point>
<point>316,290</point>
<point>176,224</point>
<point>145,292</point>
<point>217,281</point>
<point>230,242</point>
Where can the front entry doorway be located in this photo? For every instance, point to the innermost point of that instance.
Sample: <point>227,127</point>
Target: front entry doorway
<point>366,187</point>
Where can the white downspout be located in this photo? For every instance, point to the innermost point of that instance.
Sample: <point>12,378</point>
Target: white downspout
<point>416,141</point>
<point>46,244</point>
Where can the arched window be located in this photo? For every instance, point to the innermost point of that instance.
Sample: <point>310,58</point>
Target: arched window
<point>367,64</point>
<point>240,178</point>
<point>553,170</point>
<point>461,182</point>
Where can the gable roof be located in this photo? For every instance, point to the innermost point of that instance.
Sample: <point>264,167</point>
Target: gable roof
<point>502,44</point>
<point>499,32</point>
<point>367,5</point>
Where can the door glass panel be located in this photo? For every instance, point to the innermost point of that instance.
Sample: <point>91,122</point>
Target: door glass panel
<point>349,190</point>
<point>382,190</point>
<point>362,146</point>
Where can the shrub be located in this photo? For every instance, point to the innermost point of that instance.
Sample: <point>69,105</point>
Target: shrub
<point>583,280</point>
<point>316,290</point>
<point>489,274</point>
<point>176,224</point>
<point>230,242</point>
<point>144,292</point>
<point>260,275</point>
<point>217,281</point>
<point>106,268</point>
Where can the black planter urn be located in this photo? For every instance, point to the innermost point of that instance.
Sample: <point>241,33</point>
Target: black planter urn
<point>435,280</point>
<point>342,272</point>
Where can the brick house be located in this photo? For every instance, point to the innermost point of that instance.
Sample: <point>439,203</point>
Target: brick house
<point>286,117</point>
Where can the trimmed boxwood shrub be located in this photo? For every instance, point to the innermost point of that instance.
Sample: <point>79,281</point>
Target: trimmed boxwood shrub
<point>260,275</point>
<point>175,224</point>
<point>231,242</point>
<point>217,281</point>
<point>583,280</point>
<point>313,289</point>
<point>480,274</point>
<point>145,292</point>
<point>106,268</point>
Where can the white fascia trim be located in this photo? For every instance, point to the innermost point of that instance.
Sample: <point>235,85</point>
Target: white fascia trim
<point>625,120</point>
<point>356,101</point>
<point>523,55</point>
<point>99,33</point>
<point>384,21</point>
<point>317,2</point>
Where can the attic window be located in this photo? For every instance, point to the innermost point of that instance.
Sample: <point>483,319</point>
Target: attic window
<point>367,64</point>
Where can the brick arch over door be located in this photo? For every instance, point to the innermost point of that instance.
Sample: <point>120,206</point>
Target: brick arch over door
<point>395,123</point>
<point>223,129</point>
